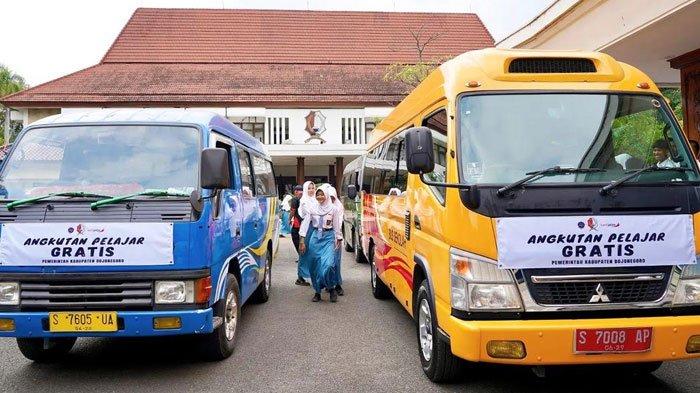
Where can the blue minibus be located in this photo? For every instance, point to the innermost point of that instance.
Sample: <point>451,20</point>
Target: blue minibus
<point>133,223</point>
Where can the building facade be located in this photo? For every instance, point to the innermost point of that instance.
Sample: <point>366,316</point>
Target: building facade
<point>309,84</point>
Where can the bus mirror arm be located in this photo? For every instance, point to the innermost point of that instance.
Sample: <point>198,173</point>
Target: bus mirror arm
<point>469,194</point>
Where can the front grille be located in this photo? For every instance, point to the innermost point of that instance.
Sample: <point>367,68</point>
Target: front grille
<point>582,292</point>
<point>551,66</point>
<point>93,295</point>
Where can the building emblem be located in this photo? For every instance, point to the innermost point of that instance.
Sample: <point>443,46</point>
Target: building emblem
<point>315,126</point>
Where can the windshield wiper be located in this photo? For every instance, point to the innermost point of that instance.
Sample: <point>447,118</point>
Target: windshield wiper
<point>153,193</point>
<point>79,194</point>
<point>555,170</point>
<point>632,174</point>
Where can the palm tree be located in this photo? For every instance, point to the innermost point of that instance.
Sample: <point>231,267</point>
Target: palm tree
<point>9,83</point>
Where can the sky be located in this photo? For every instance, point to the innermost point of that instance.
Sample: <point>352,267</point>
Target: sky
<point>46,39</point>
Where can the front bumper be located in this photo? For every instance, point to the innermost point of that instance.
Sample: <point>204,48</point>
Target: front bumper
<point>551,342</point>
<point>131,324</point>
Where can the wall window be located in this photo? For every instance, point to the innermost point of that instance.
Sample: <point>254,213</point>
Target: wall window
<point>253,125</point>
<point>264,176</point>
<point>277,130</point>
<point>437,122</point>
<point>246,176</point>
<point>353,130</point>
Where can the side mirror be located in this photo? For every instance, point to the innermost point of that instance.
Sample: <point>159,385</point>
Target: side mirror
<point>215,172</point>
<point>419,150</point>
<point>352,191</point>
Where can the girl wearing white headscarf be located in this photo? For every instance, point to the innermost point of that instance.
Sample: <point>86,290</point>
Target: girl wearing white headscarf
<point>286,228</point>
<point>321,231</point>
<point>307,202</point>
<point>333,194</point>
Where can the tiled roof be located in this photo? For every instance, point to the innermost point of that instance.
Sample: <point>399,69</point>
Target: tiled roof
<point>194,57</point>
<point>212,84</point>
<point>274,36</point>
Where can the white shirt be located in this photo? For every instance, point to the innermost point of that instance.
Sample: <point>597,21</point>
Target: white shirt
<point>332,220</point>
<point>668,163</point>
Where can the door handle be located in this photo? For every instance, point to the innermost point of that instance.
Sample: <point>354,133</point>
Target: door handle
<point>238,231</point>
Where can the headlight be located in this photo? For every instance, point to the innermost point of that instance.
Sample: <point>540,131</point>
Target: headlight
<point>479,285</point>
<point>9,293</point>
<point>688,289</point>
<point>173,292</point>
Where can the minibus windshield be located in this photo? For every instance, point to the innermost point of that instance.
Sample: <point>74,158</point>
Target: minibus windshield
<point>503,137</point>
<point>103,159</point>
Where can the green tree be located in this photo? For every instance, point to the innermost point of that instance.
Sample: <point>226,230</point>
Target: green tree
<point>673,95</point>
<point>9,83</point>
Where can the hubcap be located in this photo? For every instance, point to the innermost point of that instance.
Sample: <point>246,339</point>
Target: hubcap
<point>231,317</point>
<point>425,329</point>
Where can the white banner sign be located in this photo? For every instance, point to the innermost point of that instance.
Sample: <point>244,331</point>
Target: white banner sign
<point>585,241</point>
<point>103,244</point>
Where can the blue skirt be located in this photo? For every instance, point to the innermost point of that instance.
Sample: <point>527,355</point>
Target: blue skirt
<point>286,226</point>
<point>338,257</point>
<point>323,272</point>
<point>303,268</point>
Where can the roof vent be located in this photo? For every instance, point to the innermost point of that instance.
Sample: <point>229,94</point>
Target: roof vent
<point>551,65</point>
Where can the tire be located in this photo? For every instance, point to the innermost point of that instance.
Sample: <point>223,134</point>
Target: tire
<point>379,289</point>
<point>437,360</point>
<point>359,255</point>
<point>45,351</point>
<point>262,292</point>
<point>220,343</point>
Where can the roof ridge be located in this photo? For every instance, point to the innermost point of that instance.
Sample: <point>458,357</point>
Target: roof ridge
<point>304,11</point>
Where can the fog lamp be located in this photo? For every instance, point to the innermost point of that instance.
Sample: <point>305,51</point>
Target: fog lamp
<point>167,323</point>
<point>504,349</point>
<point>693,345</point>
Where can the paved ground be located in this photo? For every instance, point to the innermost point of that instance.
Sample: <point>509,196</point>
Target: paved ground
<point>291,344</point>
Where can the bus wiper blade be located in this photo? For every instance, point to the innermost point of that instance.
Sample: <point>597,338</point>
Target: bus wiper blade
<point>79,194</point>
<point>632,174</point>
<point>555,170</point>
<point>153,193</point>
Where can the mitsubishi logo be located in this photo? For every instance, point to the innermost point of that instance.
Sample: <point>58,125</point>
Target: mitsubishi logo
<point>600,296</point>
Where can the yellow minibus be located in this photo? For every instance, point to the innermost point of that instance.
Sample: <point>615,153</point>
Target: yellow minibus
<point>535,208</point>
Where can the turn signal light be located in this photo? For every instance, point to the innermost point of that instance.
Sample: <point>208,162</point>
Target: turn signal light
<point>167,323</point>
<point>643,85</point>
<point>7,325</point>
<point>202,290</point>
<point>693,345</point>
<point>503,349</point>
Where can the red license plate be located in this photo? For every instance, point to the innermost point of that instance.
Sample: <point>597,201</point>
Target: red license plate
<point>612,340</point>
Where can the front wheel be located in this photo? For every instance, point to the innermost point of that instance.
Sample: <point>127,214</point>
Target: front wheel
<point>436,358</point>
<point>219,344</point>
<point>45,350</point>
<point>359,255</point>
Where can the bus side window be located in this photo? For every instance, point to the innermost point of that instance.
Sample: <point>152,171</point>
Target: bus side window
<point>217,200</point>
<point>246,173</point>
<point>437,122</point>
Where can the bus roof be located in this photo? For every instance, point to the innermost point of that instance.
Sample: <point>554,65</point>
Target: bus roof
<point>517,70</point>
<point>203,118</point>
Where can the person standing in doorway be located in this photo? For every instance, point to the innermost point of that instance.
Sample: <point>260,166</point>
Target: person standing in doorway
<point>340,211</point>
<point>320,237</point>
